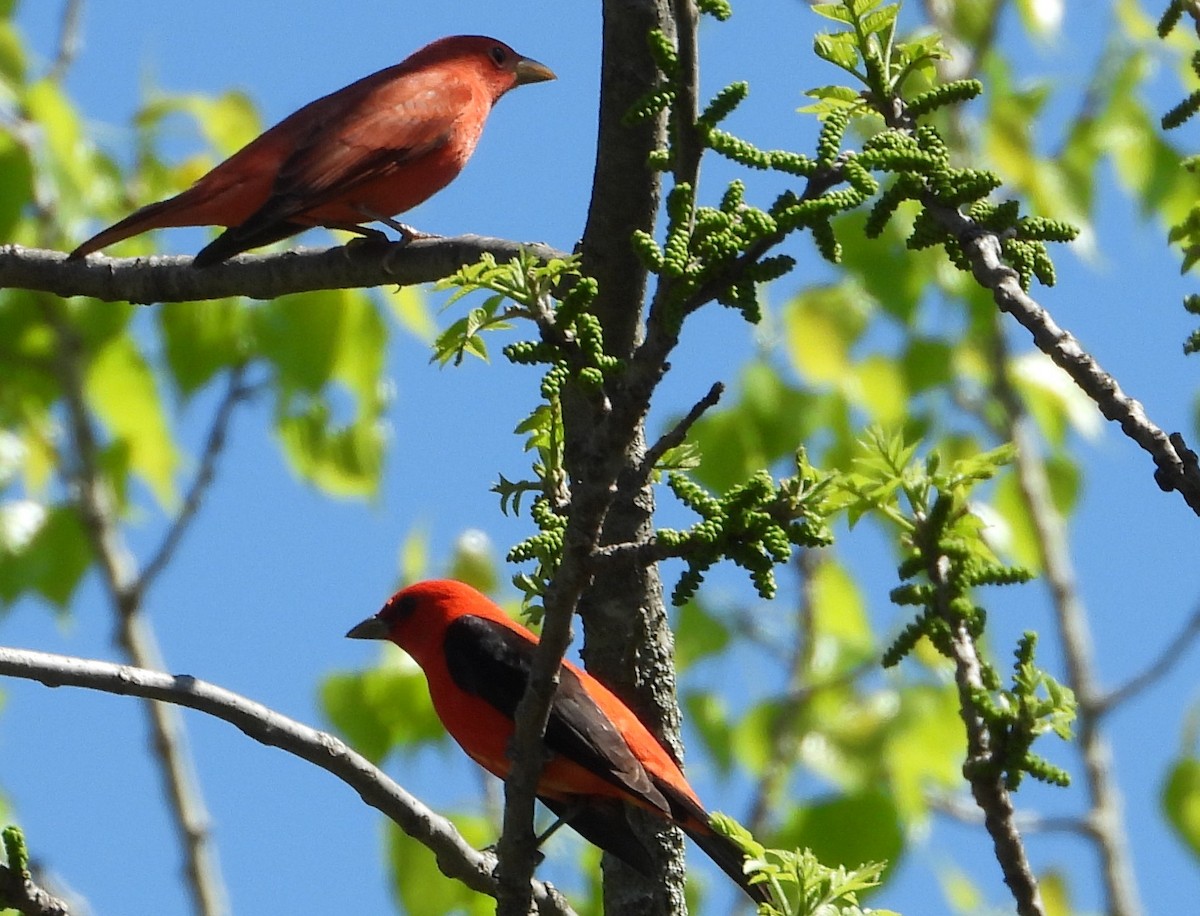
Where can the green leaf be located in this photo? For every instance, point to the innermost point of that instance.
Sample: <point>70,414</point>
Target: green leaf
<point>410,307</point>
<point>1020,540</point>
<point>414,555</point>
<point>123,391</point>
<point>835,11</point>
<point>1056,893</point>
<point>821,324</point>
<point>927,363</point>
<point>384,709</point>
<point>881,390</point>
<point>315,339</point>
<point>52,562</point>
<point>344,460</point>
<point>881,20</point>
<point>64,144</point>
<point>301,335</point>
<point>202,338</point>
<point>761,428</point>
<point>697,634</point>
<point>417,884</point>
<point>752,736</point>
<point>16,180</point>
<point>13,64</point>
<point>1181,801</point>
<point>846,830</point>
<point>839,49</point>
<point>924,747</point>
<point>961,892</point>
<point>474,561</point>
<point>229,121</point>
<point>841,627</point>
<point>707,713</point>
<point>1055,401</point>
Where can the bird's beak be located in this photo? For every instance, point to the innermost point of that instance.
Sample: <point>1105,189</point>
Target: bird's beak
<point>528,70</point>
<point>371,628</point>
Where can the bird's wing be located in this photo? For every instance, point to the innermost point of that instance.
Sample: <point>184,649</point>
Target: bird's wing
<point>389,123</point>
<point>493,662</point>
<point>363,133</point>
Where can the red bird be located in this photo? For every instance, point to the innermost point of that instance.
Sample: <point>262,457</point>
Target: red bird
<point>600,759</point>
<point>376,148</point>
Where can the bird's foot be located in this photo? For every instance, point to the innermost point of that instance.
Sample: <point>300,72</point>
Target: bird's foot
<point>407,232</point>
<point>493,849</point>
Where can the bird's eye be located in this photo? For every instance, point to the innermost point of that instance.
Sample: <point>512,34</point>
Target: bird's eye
<point>499,55</point>
<point>398,608</point>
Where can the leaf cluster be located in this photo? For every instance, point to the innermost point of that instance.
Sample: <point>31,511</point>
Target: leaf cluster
<point>914,154</point>
<point>1035,704</point>
<point>945,557</point>
<point>799,884</point>
<point>754,524</point>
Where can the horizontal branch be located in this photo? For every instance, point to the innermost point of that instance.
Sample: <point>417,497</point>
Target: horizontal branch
<point>456,858</point>
<point>259,276</point>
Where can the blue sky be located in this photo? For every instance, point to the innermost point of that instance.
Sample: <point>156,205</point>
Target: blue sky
<point>273,575</point>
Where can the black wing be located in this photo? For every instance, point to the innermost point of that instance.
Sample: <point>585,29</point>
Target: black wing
<point>493,662</point>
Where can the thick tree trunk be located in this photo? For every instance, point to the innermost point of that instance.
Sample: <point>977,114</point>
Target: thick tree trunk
<point>627,642</point>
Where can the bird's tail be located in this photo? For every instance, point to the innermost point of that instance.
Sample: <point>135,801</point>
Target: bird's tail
<point>729,858</point>
<point>152,216</point>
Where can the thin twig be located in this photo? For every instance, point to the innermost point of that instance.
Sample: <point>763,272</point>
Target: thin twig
<point>688,143</point>
<point>1176,465</point>
<point>1105,816</point>
<point>785,736</point>
<point>178,771</point>
<point>235,392</point>
<point>981,769</point>
<point>69,40</point>
<point>456,858</point>
<point>1176,647</point>
<point>518,845</point>
<point>134,634</point>
<point>1027,821</point>
<point>678,433</point>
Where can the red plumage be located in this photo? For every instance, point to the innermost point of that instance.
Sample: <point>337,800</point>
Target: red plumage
<point>600,758</point>
<point>374,149</point>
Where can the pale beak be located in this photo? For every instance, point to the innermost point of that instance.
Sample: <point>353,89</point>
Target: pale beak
<point>528,70</point>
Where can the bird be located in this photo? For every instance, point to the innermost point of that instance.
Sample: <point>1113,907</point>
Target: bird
<point>600,759</point>
<point>364,153</point>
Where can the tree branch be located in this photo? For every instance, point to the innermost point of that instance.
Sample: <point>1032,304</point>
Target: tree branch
<point>982,769</point>
<point>1177,467</point>
<point>627,641</point>
<point>518,845</point>
<point>987,783</point>
<point>675,436</point>
<point>69,40</point>
<point>965,811</point>
<point>1175,649</point>
<point>134,634</point>
<point>456,858</point>
<point>265,276</point>
<point>1105,817</point>
<point>236,392</point>
<point>20,893</point>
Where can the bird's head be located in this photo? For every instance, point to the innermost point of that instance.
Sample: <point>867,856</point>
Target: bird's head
<point>416,617</point>
<point>499,66</point>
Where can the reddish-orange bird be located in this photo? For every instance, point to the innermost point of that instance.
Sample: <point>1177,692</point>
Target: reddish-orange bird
<point>367,152</point>
<point>600,760</point>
